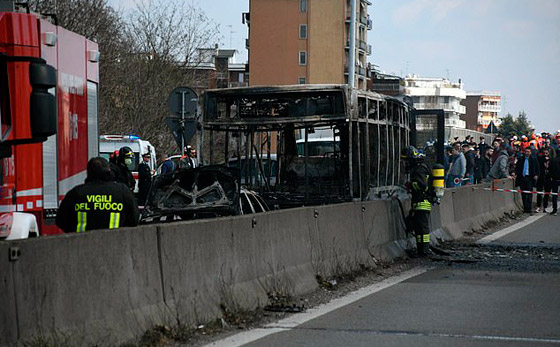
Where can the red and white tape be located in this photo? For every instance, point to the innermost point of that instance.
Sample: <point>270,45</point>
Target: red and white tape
<point>519,191</point>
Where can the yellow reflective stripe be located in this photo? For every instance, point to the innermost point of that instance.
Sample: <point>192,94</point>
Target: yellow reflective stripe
<point>426,238</point>
<point>415,186</point>
<point>114,220</point>
<point>82,222</point>
<point>423,205</point>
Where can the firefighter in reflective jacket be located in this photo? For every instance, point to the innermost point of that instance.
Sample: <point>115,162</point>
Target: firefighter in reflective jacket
<point>99,203</point>
<point>422,193</point>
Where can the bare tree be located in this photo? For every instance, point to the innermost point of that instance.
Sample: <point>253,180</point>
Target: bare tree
<point>144,56</point>
<point>164,37</point>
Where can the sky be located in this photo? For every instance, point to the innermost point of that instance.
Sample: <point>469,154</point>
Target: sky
<point>510,46</point>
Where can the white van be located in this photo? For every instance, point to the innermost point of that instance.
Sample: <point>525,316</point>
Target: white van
<point>110,143</point>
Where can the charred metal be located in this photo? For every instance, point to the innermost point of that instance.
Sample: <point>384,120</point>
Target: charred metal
<point>270,135</point>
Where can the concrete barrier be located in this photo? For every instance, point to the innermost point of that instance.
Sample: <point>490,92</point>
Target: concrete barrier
<point>468,208</point>
<point>108,286</point>
<point>103,285</point>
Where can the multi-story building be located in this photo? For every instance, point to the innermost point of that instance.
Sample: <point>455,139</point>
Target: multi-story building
<point>438,93</point>
<point>215,68</point>
<point>307,41</point>
<point>482,108</point>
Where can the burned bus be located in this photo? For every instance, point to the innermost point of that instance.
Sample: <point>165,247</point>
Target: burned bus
<point>267,125</point>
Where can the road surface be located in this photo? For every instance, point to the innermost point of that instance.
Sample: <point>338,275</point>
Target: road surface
<point>503,291</point>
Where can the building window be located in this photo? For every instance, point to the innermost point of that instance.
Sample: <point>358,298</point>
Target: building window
<point>303,5</point>
<point>302,80</point>
<point>303,31</point>
<point>302,58</point>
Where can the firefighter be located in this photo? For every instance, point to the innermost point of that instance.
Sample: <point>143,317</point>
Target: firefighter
<point>99,203</point>
<point>120,169</point>
<point>422,197</point>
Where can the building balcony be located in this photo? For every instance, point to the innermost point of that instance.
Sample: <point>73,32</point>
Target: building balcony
<point>362,45</point>
<point>456,123</point>
<point>425,124</point>
<point>369,50</point>
<point>431,91</point>
<point>363,20</point>
<point>238,84</point>
<point>222,76</point>
<point>361,71</point>
<point>369,24</point>
<point>460,109</point>
<point>246,18</point>
<point>489,108</point>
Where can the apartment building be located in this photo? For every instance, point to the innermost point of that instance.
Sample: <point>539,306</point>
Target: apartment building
<point>216,68</point>
<point>438,93</point>
<point>307,41</point>
<point>482,108</point>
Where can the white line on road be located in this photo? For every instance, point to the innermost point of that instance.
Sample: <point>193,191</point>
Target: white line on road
<point>300,318</point>
<point>510,229</point>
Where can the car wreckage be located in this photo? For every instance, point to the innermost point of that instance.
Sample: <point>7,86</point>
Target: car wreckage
<point>203,192</point>
<point>259,137</point>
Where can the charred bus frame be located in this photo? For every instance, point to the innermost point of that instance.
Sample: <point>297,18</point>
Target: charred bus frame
<point>258,122</point>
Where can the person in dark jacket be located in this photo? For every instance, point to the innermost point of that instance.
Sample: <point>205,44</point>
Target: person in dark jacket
<point>483,146</point>
<point>99,203</point>
<point>486,162</point>
<point>144,179</point>
<point>555,177</point>
<point>527,173</point>
<point>120,169</point>
<point>470,158</point>
<point>168,166</point>
<point>544,183</point>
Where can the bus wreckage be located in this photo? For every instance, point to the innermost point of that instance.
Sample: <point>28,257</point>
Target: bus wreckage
<point>307,144</point>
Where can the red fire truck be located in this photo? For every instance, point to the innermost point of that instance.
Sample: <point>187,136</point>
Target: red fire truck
<point>48,91</point>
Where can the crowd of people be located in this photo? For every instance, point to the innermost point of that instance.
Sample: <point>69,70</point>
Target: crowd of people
<point>533,161</point>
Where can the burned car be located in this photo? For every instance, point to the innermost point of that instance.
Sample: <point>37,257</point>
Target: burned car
<point>203,192</point>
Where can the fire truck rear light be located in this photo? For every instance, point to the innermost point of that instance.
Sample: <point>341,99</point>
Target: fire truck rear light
<point>49,38</point>
<point>93,56</point>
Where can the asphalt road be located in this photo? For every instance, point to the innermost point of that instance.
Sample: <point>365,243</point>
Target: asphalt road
<point>508,296</point>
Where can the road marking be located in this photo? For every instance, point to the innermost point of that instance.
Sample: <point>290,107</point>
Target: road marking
<point>312,313</point>
<point>442,335</point>
<point>510,229</point>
